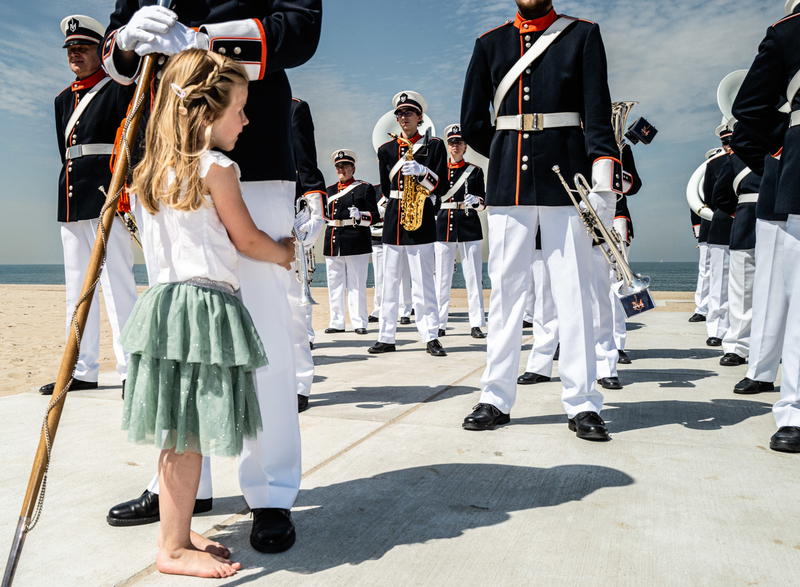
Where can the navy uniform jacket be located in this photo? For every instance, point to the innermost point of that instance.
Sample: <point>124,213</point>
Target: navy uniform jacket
<point>78,195</point>
<point>726,199</point>
<point>570,76</point>
<point>271,36</point>
<point>756,106</point>
<point>704,226</point>
<point>719,233</point>
<point>433,157</point>
<point>455,225</point>
<point>341,241</point>
<point>309,178</point>
<point>630,177</point>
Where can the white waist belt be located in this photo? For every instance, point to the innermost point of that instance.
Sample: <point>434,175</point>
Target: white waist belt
<point>748,198</point>
<point>537,122</point>
<point>78,151</point>
<point>395,195</point>
<point>338,223</point>
<point>794,120</point>
<point>453,206</point>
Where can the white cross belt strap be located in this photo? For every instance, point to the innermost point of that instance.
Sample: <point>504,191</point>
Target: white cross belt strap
<point>453,206</point>
<point>737,181</point>
<point>794,87</point>
<point>344,192</point>
<point>748,198</point>
<point>795,119</point>
<point>76,114</point>
<point>537,122</point>
<point>78,151</point>
<point>539,47</point>
<point>338,223</point>
<point>420,143</point>
<point>461,181</point>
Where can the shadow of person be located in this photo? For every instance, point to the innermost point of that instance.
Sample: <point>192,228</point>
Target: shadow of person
<point>674,353</point>
<point>387,395</point>
<point>665,377</point>
<point>360,520</point>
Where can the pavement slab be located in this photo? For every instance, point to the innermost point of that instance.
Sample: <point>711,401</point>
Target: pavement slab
<point>395,492</point>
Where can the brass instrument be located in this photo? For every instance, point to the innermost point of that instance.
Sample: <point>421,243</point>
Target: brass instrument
<point>304,263</point>
<point>412,202</point>
<point>632,283</point>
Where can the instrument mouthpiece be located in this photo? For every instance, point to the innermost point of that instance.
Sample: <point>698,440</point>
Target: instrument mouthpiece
<point>556,168</point>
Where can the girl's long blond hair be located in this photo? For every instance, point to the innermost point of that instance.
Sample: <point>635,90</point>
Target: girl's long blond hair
<point>196,86</point>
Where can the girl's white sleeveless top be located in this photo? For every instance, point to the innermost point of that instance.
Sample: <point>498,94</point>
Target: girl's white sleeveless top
<point>191,244</point>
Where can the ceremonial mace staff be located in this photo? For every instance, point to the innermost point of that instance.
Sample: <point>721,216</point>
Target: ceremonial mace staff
<point>34,496</point>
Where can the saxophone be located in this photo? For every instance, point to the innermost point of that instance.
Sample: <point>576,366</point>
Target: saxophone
<point>412,203</point>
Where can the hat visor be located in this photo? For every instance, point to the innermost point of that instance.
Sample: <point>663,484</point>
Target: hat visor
<point>407,107</point>
<point>74,42</point>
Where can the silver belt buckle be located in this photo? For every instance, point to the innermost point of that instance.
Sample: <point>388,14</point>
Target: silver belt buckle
<point>75,152</point>
<point>533,122</point>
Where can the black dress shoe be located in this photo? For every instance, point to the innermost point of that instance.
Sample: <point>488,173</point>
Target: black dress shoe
<point>311,345</point>
<point>405,320</point>
<point>529,378</point>
<point>372,319</point>
<point>623,359</point>
<point>441,332</point>
<point>786,439</point>
<point>144,510</point>
<point>381,347</point>
<point>333,330</point>
<point>123,389</point>
<point>526,324</point>
<point>731,360</point>
<point>302,403</point>
<point>477,333</point>
<point>76,385</point>
<point>713,341</point>
<point>697,318</point>
<point>273,530</point>
<point>412,311</point>
<point>485,417</point>
<point>749,386</point>
<point>557,353</point>
<point>361,330</point>
<point>589,426</point>
<point>610,383</point>
<point>434,348</point>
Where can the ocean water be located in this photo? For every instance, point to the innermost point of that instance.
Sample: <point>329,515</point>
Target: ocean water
<point>663,276</point>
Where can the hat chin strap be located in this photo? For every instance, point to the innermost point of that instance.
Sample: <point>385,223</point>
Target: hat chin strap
<point>791,5</point>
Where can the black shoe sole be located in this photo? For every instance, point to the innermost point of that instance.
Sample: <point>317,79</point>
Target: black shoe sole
<point>371,351</point>
<point>611,386</point>
<point>126,522</point>
<point>574,428</point>
<point>476,426</point>
<point>784,447</point>
<point>752,392</point>
<point>520,382</point>
<point>273,548</point>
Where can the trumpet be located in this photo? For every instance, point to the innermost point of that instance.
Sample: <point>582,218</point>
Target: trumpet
<point>304,264</point>
<point>632,283</point>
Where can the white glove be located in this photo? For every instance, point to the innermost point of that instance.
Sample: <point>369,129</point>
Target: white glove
<point>598,202</point>
<point>355,214</point>
<point>472,201</point>
<point>144,25</point>
<point>696,230</point>
<point>178,38</point>
<point>301,222</point>
<point>414,168</point>
<point>433,199</point>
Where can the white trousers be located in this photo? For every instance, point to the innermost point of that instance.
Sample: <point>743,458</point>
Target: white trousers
<point>530,299</point>
<point>405,284</point>
<point>347,276</point>
<point>717,317</point>
<point>310,323</point>
<point>602,304</point>
<point>617,311</point>
<point>423,290</point>
<point>544,318</point>
<point>787,409</point>
<point>567,252</point>
<point>703,281</point>
<point>269,466</point>
<point>770,303</point>
<point>472,267</point>
<point>117,282</point>
<point>741,273</point>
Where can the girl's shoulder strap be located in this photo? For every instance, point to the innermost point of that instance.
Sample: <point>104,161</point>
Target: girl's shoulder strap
<point>209,157</point>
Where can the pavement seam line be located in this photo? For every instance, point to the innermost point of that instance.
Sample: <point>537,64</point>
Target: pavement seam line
<point>146,572</point>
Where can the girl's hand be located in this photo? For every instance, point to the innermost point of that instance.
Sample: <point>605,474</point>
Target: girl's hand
<point>286,246</point>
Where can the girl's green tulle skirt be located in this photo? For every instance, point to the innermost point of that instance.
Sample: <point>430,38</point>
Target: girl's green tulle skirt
<point>190,384</point>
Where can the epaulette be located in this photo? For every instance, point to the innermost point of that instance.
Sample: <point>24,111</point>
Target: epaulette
<point>387,142</point>
<point>576,18</point>
<point>497,27</point>
<point>785,18</point>
<point>69,87</point>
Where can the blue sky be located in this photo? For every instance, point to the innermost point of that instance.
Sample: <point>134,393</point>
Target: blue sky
<point>668,55</point>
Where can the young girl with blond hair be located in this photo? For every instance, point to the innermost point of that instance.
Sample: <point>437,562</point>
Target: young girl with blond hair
<point>190,388</point>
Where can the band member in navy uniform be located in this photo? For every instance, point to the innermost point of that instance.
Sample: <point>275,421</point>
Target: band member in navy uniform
<point>267,38</point>
<point>719,238</point>
<point>553,108</point>
<point>309,223</point>
<point>736,194</point>
<point>700,228</point>
<point>349,211</point>
<point>88,114</point>
<point>773,76</point>
<point>429,167</point>
<point>458,227</point>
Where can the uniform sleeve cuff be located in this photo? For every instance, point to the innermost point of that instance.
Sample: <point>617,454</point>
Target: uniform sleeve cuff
<point>607,175</point>
<point>429,181</point>
<point>109,49</point>
<point>366,219</point>
<point>243,40</point>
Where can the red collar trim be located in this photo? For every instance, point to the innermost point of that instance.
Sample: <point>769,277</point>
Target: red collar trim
<point>414,139</point>
<point>458,165</point>
<point>89,82</point>
<point>344,185</point>
<point>537,24</point>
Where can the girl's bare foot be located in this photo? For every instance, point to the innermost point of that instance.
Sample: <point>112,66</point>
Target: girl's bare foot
<point>185,561</point>
<point>204,544</point>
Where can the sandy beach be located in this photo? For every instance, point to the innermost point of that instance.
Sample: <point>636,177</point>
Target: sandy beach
<point>33,320</point>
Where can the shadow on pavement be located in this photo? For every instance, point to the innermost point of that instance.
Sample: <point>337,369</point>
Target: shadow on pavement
<point>356,521</point>
<point>700,353</point>
<point>379,397</point>
<point>665,377</point>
